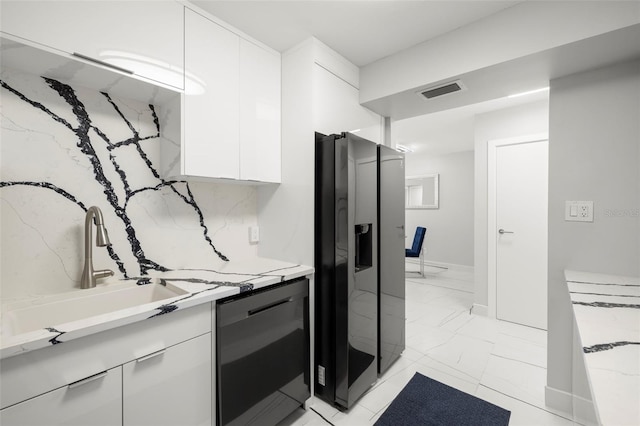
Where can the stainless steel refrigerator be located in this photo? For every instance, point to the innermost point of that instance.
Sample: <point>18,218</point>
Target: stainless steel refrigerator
<point>347,299</point>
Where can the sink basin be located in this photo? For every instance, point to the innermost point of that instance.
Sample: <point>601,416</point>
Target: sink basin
<point>55,310</point>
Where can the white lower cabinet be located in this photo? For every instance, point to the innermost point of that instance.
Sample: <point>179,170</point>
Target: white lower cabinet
<point>94,401</point>
<point>153,372</point>
<point>170,387</point>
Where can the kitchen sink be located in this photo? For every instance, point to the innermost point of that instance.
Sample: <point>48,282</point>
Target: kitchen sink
<point>52,311</point>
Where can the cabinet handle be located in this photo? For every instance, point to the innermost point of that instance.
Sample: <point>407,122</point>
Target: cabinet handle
<point>151,355</point>
<point>99,62</point>
<point>87,380</point>
<point>269,306</point>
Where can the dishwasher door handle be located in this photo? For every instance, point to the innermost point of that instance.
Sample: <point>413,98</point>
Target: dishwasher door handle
<point>269,306</point>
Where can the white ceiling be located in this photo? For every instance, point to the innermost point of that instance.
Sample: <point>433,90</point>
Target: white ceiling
<point>451,130</point>
<point>362,31</point>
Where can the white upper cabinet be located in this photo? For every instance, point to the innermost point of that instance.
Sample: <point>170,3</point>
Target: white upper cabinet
<point>211,110</point>
<point>231,107</point>
<point>226,125</point>
<point>259,113</point>
<point>145,37</point>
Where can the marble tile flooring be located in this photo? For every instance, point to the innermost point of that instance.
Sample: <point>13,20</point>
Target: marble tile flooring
<point>497,361</point>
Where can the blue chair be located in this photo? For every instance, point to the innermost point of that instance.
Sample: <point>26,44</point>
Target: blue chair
<point>416,247</point>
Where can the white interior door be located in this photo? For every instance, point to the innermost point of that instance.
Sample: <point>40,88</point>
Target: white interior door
<point>520,232</point>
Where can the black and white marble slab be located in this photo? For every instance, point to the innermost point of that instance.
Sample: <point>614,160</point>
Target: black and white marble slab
<point>607,313</point>
<point>200,285</point>
<point>65,148</point>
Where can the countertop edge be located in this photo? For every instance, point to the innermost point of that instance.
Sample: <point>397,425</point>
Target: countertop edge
<point>606,309</point>
<point>196,294</point>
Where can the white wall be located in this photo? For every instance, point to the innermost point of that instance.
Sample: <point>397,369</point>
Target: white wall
<point>594,154</point>
<point>527,119</point>
<point>285,211</point>
<point>449,237</point>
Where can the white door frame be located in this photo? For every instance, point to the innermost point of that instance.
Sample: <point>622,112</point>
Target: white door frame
<point>492,147</point>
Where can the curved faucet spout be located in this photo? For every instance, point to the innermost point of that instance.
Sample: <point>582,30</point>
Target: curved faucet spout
<point>89,275</point>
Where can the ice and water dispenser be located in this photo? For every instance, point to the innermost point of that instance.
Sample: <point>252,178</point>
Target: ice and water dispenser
<point>364,246</point>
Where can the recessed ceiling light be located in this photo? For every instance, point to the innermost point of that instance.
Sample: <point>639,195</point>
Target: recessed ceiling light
<point>403,148</point>
<point>530,92</point>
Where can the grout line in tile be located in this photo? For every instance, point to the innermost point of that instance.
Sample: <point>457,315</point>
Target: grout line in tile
<point>442,286</point>
<point>517,360</point>
<point>321,416</point>
<point>473,380</point>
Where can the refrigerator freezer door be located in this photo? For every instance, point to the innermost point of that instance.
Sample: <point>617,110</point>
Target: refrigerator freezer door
<point>356,205</point>
<point>391,261</point>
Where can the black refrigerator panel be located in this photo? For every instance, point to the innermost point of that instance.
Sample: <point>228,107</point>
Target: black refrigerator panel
<point>346,238</point>
<point>391,249</point>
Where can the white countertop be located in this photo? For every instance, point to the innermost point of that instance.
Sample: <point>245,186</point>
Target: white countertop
<point>201,286</point>
<point>607,312</point>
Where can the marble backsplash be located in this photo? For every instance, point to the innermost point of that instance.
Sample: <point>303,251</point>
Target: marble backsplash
<point>64,149</point>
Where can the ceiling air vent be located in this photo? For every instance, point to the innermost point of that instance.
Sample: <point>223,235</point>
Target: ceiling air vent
<point>444,89</point>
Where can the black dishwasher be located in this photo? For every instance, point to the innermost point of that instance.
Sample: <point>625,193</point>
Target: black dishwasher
<point>262,341</point>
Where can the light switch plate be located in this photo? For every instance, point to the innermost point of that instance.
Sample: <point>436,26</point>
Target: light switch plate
<point>578,211</point>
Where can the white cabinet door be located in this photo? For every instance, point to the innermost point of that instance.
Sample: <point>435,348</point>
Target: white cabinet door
<point>171,387</point>
<point>211,117</point>
<point>145,37</point>
<point>94,401</point>
<point>259,113</point>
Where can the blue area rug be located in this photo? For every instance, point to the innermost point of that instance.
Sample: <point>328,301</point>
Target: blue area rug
<point>424,401</point>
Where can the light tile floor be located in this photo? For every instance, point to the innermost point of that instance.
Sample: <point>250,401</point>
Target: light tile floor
<point>497,361</point>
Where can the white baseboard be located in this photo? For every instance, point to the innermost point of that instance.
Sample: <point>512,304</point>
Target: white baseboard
<point>584,411</point>
<point>559,400</point>
<point>480,310</point>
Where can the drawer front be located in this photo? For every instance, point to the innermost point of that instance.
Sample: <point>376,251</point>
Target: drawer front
<point>181,374</point>
<point>94,401</point>
<point>34,373</point>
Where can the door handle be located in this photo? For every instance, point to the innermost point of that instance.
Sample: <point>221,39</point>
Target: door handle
<point>269,306</point>
<point>502,231</point>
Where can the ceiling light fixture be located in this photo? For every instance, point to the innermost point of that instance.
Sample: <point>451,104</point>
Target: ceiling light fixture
<point>155,70</point>
<point>403,148</point>
<point>530,92</point>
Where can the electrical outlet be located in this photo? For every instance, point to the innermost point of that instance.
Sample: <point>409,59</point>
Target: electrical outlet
<point>578,211</point>
<point>254,234</point>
